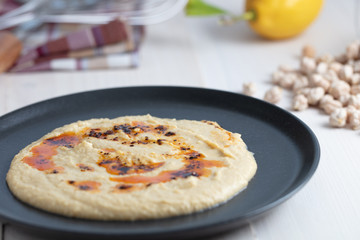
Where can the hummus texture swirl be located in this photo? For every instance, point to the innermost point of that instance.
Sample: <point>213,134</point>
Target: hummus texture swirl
<point>131,168</point>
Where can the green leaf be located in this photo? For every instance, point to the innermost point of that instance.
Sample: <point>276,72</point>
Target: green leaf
<point>200,8</point>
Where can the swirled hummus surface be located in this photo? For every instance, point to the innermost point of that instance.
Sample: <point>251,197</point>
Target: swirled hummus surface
<point>130,168</point>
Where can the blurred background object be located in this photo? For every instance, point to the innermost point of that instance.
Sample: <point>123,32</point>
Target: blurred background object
<point>74,44</point>
<point>270,19</point>
<point>9,51</point>
<point>135,12</point>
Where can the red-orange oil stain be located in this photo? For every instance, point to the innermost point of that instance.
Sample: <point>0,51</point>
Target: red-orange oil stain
<point>125,188</point>
<point>109,150</point>
<point>44,150</point>
<point>69,139</point>
<point>196,168</point>
<point>115,166</point>
<point>85,185</point>
<point>42,153</point>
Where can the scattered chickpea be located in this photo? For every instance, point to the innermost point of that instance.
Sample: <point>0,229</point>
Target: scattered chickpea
<point>300,103</point>
<point>335,66</point>
<point>277,76</point>
<point>350,108</point>
<point>355,89</point>
<point>308,51</point>
<point>353,118</point>
<point>355,79</point>
<point>341,58</point>
<point>300,83</point>
<point>350,62</point>
<point>339,88</point>
<point>352,50</point>
<point>327,82</point>
<point>325,99</point>
<point>331,76</point>
<point>354,101</point>
<point>356,66</point>
<point>318,80</point>
<point>338,117</point>
<point>344,99</point>
<point>303,91</point>
<point>273,95</point>
<point>321,68</point>
<point>346,73</point>
<point>331,106</point>
<point>288,80</point>
<point>327,58</point>
<point>307,65</point>
<point>315,95</point>
<point>249,89</point>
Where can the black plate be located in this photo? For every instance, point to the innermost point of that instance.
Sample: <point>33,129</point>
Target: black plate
<point>286,150</point>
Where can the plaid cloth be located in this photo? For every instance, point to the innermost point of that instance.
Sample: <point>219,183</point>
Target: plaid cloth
<point>78,47</point>
<point>7,5</point>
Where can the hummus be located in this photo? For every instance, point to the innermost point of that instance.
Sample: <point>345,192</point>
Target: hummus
<point>133,167</point>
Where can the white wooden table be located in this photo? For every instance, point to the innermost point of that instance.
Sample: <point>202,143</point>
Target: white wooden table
<point>197,52</point>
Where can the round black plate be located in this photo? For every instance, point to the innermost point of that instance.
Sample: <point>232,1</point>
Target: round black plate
<point>286,150</point>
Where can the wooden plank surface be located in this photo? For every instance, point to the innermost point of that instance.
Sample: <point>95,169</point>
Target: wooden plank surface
<point>197,52</point>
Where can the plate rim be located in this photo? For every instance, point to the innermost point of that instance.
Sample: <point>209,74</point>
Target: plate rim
<point>254,213</point>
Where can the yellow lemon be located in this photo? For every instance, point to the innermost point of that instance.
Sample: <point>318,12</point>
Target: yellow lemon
<point>279,19</point>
